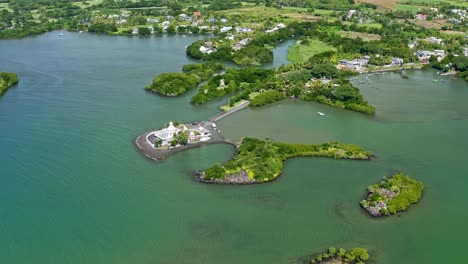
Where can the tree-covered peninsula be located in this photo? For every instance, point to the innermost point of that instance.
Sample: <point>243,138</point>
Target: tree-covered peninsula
<point>320,82</point>
<point>392,195</point>
<point>7,80</point>
<point>341,256</point>
<point>176,83</point>
<point>259,161</point>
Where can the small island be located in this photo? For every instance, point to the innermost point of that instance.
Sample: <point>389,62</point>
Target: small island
<point>341,256</point>
<point>392,195</point>
<point>258,161</point>
<point>176,83</point>
<point>7,80</point>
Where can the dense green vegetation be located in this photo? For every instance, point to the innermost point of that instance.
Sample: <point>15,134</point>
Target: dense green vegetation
<point>267,97</point>
<point>250,55</point>
<point>392,195</point>
<point>341,256</point>
<point>234,80</point>
<point>327,87</point>
<point>458,63</point>
<point>175,83</point>
<point>263,160</point>
<point>7,80</point>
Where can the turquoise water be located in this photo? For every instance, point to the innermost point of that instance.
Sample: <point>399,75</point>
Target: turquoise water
<point>74,190</point>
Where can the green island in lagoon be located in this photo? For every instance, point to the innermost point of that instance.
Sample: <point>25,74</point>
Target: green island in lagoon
<point>294,79</point>
<point>392,195</point>
<point>341,256</point>
<point>7,80</point>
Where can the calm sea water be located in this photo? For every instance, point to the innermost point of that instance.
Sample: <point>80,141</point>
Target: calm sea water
<point>74,190</point>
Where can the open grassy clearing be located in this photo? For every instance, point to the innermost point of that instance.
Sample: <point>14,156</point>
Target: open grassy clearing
<point>363,36</point>
<point>300,53</point>
<point>436,23</point>
<point>367,25</point>
<point>433,2</point>
<point>390,4</point>
<point>261,12</point>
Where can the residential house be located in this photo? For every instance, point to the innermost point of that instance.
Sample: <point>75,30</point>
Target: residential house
<point>434,40</point>
<point>439,53</point>
<point>421,16</point>
<point>351,13</point>
<point>224,20</point>
<point>243,30</point>
<point>424,55</point>
<point>135,31</point>
<point>356,64</point>
<point>197,14</point>
<point>397,61</point>
<point>211,20</point>
<point>241,44</point>
<point>225,29</point>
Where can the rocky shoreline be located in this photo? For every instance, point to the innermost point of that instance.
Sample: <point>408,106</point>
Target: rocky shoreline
<point>241,178</point>
<point>392,195</point>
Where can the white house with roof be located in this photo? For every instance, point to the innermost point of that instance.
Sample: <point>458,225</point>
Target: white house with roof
<point>225,29</point>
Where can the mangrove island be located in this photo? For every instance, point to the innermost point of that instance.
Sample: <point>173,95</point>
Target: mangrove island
<point>341,256</point>
<point>392,195</point>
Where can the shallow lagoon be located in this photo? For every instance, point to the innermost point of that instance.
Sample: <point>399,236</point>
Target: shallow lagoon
<point>75,190</point>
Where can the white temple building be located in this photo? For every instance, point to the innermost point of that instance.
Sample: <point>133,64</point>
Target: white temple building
<point>167,134</point>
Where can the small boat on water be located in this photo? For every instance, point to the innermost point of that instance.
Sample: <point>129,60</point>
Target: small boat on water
<point>60,34</point>
<point>320,114</point>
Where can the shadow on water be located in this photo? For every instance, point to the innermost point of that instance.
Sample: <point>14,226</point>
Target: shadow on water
<point>216,230</point>
<point>268,200</point>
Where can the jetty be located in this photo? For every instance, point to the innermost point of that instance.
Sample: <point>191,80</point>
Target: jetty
<point>147,148</point>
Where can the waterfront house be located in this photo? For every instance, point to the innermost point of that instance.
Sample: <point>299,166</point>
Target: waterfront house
<point>424,55</point>
<point>356,64</point>
<point>397,61</point>
<point>135,31</point>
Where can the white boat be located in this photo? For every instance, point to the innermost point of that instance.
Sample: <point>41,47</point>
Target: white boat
<point>60,34</point>
<point>320,114</point>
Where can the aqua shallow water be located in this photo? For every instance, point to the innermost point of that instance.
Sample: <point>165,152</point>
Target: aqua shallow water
<point>74,190</point>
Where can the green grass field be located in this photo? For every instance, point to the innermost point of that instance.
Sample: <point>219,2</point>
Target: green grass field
<point>264,13</point>
<point>363,36</point>
<point>367,25</point>
<point>300,53</point>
